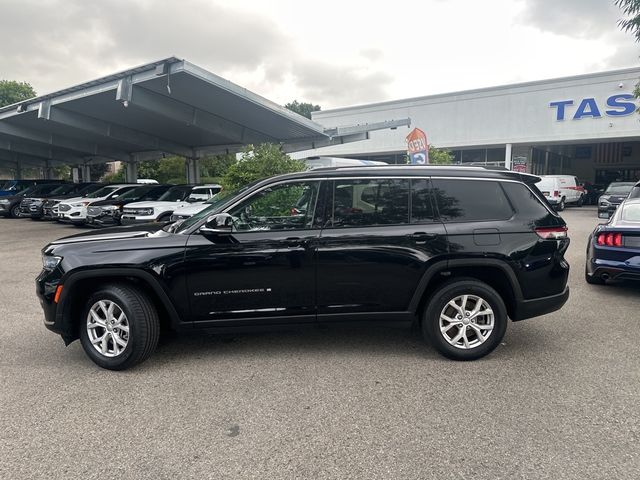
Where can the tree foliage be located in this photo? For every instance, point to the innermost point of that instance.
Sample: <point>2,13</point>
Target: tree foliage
<point>258,162</point>
<point>439,156</point>
<point>631,24</point>
<point>13,92</point>
<point>302,108</point>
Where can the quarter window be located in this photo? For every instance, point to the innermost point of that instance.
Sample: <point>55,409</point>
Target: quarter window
<point>287,206</point>
<point>369,202</point>
<point>470,200</point>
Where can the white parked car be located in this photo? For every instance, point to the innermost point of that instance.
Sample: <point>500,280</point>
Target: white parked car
<point>162,209</point>
<point>561,190</point>
<point>74,210</point>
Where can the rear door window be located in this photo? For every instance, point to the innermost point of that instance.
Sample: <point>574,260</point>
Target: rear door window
<point>460,200</point>
<point>369,202</point>
<point>422,210</point>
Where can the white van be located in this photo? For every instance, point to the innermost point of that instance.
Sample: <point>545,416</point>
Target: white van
<point>561,190</point>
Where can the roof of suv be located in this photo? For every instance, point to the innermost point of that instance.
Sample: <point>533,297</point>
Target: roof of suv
<point>417,170</point>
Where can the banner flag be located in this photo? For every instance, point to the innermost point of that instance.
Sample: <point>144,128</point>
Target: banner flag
<point>417,147</point>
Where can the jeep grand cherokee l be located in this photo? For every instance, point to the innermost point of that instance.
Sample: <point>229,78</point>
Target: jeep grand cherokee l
<point>456,250</point>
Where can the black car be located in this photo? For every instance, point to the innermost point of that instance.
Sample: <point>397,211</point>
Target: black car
<point>10,206</point>
<point>49,207</point>
<point>32,205</point>
<point>108,212</point>
<point>455,250</point>
<point>635,191</point>
<point>613,196</point>
<point>613,249</point>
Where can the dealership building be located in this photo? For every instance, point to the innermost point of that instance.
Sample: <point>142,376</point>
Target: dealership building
<point>585,125</point>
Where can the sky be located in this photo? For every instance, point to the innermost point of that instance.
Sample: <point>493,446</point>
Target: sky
<point>331,53</point>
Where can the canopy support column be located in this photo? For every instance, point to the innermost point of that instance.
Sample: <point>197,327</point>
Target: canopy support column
<point>192,166</point>
<point>131,172</point>
<point>507,156</point>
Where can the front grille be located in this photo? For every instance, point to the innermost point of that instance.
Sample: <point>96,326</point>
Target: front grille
<point>138,211</point>
<point>26,202</point>
<point>94,211</point>
<point>64,207</point>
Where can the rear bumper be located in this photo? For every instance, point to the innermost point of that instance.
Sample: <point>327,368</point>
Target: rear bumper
<point>539,306</point>
<point>612,270</point>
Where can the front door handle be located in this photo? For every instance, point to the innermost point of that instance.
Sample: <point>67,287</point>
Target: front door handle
<point>420,238</point>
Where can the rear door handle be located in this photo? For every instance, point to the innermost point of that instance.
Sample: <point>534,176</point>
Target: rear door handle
<point>294,241</point>
<point>420,238</point>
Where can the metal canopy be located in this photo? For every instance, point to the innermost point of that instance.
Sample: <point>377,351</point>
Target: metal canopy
<point>165,107</point>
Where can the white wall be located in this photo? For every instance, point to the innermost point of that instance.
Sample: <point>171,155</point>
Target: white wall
<point>518,114</point>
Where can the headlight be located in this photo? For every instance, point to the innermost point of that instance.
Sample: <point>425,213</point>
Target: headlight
<point>80,204</point>
<point>145,211</point>
<point>110,208</point>
<point>49,262</point>
<point>4,201</point>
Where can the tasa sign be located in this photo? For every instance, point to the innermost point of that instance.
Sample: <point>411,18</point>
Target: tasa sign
<point>417,147</point>
<point>617,105</point>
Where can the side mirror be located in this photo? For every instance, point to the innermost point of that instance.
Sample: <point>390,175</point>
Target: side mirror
<point>219,224</point>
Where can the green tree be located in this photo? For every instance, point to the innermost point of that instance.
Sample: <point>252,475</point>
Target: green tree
<point>256,163</point>
<point>631,8</point>
<point>302,108</point>
<point>439,156</point>
<point>13,92</point>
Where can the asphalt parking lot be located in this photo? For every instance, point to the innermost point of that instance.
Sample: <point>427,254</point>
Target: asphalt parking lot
<point>558,399</point>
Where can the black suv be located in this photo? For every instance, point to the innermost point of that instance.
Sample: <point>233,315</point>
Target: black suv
<point>455,250</point>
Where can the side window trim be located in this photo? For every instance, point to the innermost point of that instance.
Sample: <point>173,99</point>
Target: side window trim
<point>432,201</point>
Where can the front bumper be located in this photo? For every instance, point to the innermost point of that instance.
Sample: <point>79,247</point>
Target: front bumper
<point>46,285</point>
<point>539,306</point>
<point>129,220</point>
<point>104,220</point>
<point>608,210</point>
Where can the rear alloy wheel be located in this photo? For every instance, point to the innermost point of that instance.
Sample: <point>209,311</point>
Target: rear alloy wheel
<point>119,327</point>
<point>465,319</point>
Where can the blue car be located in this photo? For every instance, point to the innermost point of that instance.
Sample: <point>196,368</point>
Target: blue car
<point>613,249</point>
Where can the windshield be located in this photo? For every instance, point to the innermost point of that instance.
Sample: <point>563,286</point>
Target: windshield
<point>43,189</point>
<point>619,188</point>
<point>134,193</point>
<point>175,194</point>
<point>7,185</point>
<point>103,192</point>
<point>62,189</point>
<point>28,191</point>
<point>88,189</point>
<point>214,205</point>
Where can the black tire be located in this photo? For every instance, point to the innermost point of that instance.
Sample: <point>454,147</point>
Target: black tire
<point>165,217</point>
<point>15,211</point>
<point>143,323</point>
<point>591,280</point>
<point>581,201</point>
<point>561,205</point>
<point>437,304</point>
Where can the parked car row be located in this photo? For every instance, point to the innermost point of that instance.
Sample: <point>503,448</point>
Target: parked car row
<point>99,204</point>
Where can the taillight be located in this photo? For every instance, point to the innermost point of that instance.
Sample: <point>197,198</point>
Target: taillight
<point>552,233</point>
<point>556,193</point>
<point>609,239</point>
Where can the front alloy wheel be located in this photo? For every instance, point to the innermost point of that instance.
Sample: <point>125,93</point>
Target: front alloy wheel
<point>119,326</point>
<point>108,328</point>
<point>464,319</point>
